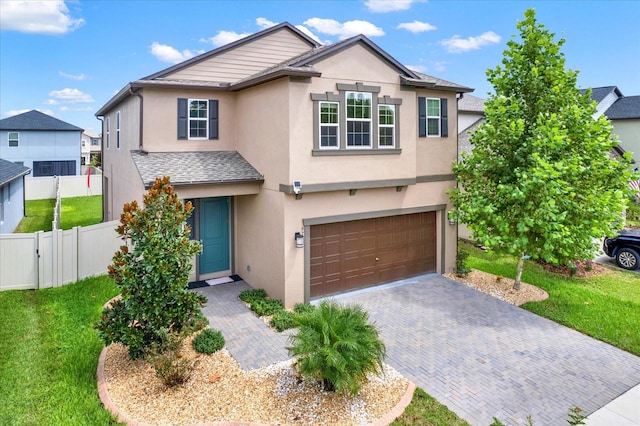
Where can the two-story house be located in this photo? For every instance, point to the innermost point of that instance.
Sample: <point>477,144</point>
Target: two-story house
<point>314,170</point>
<point>48,146</point>
<point>90,149</point>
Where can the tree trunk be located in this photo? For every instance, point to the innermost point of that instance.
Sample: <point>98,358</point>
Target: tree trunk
<point>516,283</point>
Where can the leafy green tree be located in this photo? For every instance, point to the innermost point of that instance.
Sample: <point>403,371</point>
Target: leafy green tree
<point>540,180</point>
<point>152,272</point>
<point>337,346</point>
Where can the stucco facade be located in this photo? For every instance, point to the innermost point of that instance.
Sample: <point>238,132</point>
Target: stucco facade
<point>271,120</point>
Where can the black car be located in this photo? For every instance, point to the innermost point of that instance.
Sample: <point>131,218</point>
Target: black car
<point>625,248</point>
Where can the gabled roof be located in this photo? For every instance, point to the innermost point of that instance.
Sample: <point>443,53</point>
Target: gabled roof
<point>624,108</point>
<point>599,93</point>
<point>36,120</point>
<point>300,65</point>
<point>192,168</point>
<point>10,171</point>
<point>232,45</point>
<point>471,103</point>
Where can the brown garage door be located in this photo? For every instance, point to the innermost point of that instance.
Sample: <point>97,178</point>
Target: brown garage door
<point>356,254</point>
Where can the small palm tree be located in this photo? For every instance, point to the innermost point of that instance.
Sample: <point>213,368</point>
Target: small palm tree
<point>337,346</point>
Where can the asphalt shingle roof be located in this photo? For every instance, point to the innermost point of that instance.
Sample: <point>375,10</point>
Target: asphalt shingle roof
<point>36,120</point>
<point>471,103</point>
<point>201,167</point>
<point>10,171</point>
<point>624,108</point>
<point>599,93</point>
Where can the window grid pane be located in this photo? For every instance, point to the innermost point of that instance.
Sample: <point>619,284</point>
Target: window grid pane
<point>198,118</point>
<point>198,128</point>
<point>329,137</point>
<point>358,134</point>
<point>359,105</point>
<point>13,139</point>
<point>386,137</point>
<point>329,113</point>
<point>198,109</point>
<point>433,107</point>
<point>433,127</point>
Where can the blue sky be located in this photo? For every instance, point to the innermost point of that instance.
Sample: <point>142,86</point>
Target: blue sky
<point>69,58</point>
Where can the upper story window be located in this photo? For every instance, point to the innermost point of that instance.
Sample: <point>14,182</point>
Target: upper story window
<point>95,142</point>
<point>432,117</point>
<point>386,126</point>
<point>329,125</point>
<point>118,129</point>
<point>14,139</point>
<point>355,121</point>
<point>358,120</point>
<point>108,131</point>
<point>197,119</point>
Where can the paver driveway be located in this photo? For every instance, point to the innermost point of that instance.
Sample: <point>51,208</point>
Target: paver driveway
<point>476,354</point>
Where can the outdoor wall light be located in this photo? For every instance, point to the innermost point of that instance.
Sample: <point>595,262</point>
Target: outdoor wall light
<point>299,239</point>
<point>452,219</point>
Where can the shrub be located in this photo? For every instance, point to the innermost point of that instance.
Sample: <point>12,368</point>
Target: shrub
<point>250,296</point>
<point>168,363</point>
<point>266,306</point>
<point>152,273</point>
<point>208,341</point>
<point>337,346</point>
<point>303,308</point>
<point>462,266</point>
<point>283,320</point>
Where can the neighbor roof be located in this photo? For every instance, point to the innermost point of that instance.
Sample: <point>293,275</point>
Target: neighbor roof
<point>190,168</point>
<point>599,93</point>
<point>10,171</point>
<point>624,108</point>
<point>36,120</point>
<point>471,103</point>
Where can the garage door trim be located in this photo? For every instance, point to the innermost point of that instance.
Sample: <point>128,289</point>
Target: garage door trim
<point>307,223</point>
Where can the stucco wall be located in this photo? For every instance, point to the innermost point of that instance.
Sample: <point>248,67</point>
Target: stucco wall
<point>629,133</point>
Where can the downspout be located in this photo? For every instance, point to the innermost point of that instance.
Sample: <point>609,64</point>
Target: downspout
<point>140,144</point>
<point>104,207</point>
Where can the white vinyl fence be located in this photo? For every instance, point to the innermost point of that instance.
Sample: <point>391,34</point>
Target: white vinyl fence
<point>45,187</point>
<point>56,258</point>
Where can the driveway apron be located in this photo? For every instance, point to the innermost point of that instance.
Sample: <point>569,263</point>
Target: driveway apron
<point>476,354</point>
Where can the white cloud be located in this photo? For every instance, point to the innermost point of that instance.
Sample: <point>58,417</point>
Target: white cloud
<point>44,17</point>
<point>419,68</point>
<point>76,109</point>
<point>78,77</point>
<point>13,112</point>
<point>344,30</point>
<point>417,27</point>
<point>384,6</point>
<point>439,66</point>
<point>456,44</point>
<point>224,37</point>
<point>166,53</point>
<point>264,23</point>
<point>70,96</point>
<point>310,33</point>
<point>50,102</point>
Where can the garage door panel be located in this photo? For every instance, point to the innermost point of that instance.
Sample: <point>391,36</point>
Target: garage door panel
<point>357,254</point>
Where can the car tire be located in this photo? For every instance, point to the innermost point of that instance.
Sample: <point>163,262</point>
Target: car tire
<point>628,258</point>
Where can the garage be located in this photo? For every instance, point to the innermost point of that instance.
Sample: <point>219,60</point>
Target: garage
<point>356,254</point>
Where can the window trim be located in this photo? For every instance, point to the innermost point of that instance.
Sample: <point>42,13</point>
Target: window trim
<point>387,126</point>
<point>118,130</point>
<point>332,125</point>
<point>205,119</point>
<point>369,120</point>
<point>17,139</point>
<point>340,98</point>
<point>433,117</point>
<point>108,132</point>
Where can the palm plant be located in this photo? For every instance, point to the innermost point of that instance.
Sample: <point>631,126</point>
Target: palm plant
<point>337,346</point>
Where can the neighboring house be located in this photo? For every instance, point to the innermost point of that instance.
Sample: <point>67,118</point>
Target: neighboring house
<point>314,170</point>
<point>624,114</point>
<point>11,195</point>
<point>48,146</point>
<point>91,150</point>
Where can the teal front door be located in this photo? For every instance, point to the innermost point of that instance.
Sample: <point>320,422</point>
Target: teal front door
<point>214,234</point>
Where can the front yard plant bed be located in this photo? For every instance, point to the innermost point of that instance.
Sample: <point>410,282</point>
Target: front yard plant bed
<point>271,310</point>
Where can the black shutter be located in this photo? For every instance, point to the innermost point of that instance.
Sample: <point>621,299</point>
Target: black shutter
<point>422,117</point>
<point>213,119</point>
<point>183,110</point>
<point>444,124</point>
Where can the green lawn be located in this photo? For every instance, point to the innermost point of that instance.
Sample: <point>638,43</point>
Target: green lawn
<point>49,354</point>
<point>38,216</point>
<point>80,211</point>
<point>74,211</point>
<point>606,307</point>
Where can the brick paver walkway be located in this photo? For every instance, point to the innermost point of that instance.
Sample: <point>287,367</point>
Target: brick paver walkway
<point>476,354</point>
